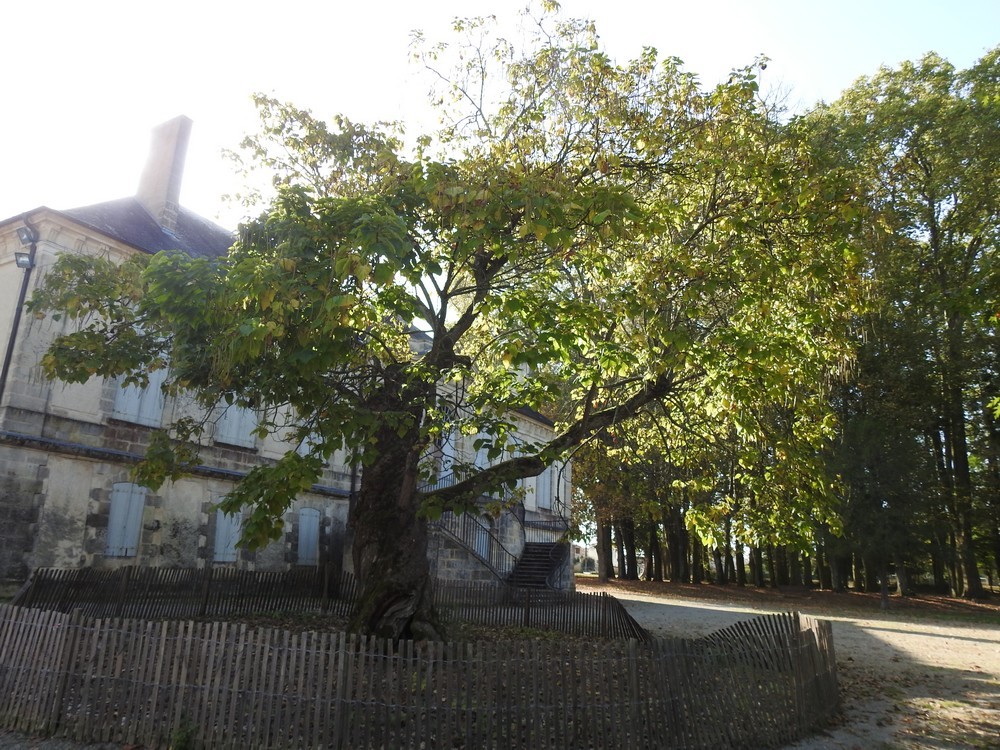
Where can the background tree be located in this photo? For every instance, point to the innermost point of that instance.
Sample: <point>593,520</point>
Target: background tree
<point>922,143</point>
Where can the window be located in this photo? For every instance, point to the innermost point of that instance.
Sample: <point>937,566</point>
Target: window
<point>525,483</point>
<point>482,540</point>
<point>543,491</point>
<point>228,527</point>
<point>309,536</point>
<point>125,519</point>
<point>236,426</point>
<point>141,405</point>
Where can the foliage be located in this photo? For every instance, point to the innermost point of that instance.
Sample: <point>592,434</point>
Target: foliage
<point>603,236</point>
<point>921,145</point>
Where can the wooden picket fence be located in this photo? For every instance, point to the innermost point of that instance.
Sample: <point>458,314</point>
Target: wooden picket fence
<point>179,593</point>
<point>228,685</point>
<point>185,593</point>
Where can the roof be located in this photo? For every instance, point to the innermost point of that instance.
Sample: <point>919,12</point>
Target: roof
<point>530,413</point>
<point>126,220</point>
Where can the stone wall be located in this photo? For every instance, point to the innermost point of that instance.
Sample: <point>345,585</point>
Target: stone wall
<point>21,477</point>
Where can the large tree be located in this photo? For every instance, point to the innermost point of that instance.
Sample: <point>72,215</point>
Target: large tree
<point>608,235</point>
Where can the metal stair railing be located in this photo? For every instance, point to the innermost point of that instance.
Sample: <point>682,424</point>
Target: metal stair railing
<point>543,531</point>
<point>557,577</point>
<point>470,532</point>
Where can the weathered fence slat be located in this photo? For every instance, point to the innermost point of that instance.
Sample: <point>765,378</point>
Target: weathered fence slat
<point>135,682</point>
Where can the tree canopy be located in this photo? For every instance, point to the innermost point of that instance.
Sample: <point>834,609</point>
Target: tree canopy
<point>580,236</point>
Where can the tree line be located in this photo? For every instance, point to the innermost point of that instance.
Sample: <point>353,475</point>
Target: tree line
<point>905,482</point>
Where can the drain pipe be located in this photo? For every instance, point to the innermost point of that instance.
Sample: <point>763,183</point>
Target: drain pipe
<point>28,236</point>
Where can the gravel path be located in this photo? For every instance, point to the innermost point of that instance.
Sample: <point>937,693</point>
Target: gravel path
<point>907,682</point>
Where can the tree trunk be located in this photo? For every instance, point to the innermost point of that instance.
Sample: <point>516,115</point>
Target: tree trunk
<point>628,540</point>
<point>824,567</point>
<point>794,567</point>
<point>720,567</point>
<point>669,543</point>
<point>654,565</point>
<point>872,572</point>
<point>939,554</point>
<point>859,572</point>
<point>741,571</point>
<point>678,537</point>
<point>757,567</point>
<point>697,561</point>
<point>730,569</point>
<point>620,549</point>
<point>390,546</point>
<point>958,442</point>
<point>954,568</point>
<point>605,565</point>
<point>902,577</point>
<point>772,567</point>
<point>883,574</point>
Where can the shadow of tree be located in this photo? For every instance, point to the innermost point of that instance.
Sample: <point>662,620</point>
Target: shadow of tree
<point>905,682</point>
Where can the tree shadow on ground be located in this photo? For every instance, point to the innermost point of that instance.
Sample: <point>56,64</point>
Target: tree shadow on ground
<point>908,679</point>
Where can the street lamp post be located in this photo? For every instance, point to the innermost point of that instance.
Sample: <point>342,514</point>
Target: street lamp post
<point>24,259</point>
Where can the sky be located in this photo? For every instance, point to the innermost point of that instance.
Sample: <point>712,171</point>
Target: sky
<point>84,83</point>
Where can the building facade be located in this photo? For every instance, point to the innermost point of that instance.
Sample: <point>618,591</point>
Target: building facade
<point>66,450</point>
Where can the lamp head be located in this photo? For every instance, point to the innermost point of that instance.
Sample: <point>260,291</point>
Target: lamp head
<point>27,235</point>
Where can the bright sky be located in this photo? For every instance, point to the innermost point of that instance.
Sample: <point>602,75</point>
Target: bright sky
<point>85,82</point>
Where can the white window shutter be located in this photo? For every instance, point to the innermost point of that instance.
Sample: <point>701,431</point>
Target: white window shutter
<point>309,536</point>
<point>544,489</point>
<point>530,492</point>
<point>125,519</point>
<point>227,535</point>
<point>236,426</point>
<point>141,405</point>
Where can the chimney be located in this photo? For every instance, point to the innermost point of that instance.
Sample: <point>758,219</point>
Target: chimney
<point>160,186</point>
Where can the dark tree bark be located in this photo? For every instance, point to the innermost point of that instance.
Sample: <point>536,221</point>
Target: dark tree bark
<point>697,561</point>
<point>654,566</point>
<point>939,567</point>
<point>883,575</point>
<point>772,567</point>
<point>902,577</point>
<point>729,574</point>
<point>873,566</point>
<point>628,541</point>
<point>390,540</point>
<point>793,566</point>
<point>741,571</point>
<point>605,564</point>
<point>678,542</point>
<point>757,567</point>
<point>620,550</point>
<point>720,567</point>
<point>668,548</point>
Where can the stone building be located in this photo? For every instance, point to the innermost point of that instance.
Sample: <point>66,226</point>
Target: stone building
<point>66,495</point>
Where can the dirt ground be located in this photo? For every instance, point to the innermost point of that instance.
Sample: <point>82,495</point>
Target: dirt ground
<point>923,674</point>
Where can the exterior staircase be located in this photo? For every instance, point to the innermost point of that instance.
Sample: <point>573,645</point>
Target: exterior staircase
<point>538,562</point>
